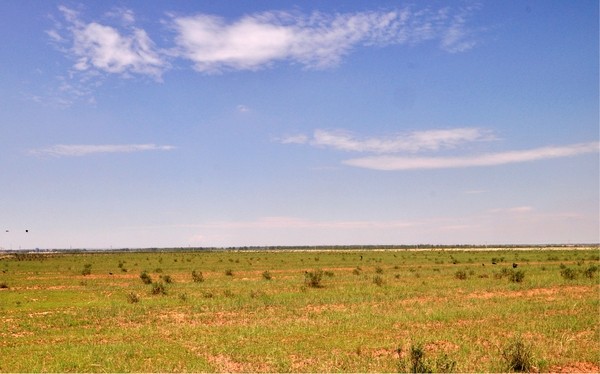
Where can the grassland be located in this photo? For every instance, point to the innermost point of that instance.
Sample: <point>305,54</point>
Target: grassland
<point>259,311</point>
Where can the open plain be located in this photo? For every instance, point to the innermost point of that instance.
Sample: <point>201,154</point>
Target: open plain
<point>301,311</point>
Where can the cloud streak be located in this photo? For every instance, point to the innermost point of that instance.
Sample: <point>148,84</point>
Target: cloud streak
<point>62,150</point>
<point>416,141</point>
<point>491,159</point>
<point>316,41</point>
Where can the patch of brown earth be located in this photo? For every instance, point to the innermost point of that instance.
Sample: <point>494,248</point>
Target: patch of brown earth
<point>578,367</point>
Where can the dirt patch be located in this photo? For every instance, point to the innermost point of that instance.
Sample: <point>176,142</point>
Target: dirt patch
<point>441,346</point>
<point>578,367</point>
<point>224,363</point>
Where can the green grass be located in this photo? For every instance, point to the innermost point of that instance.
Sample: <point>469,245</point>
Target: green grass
<point>55,319</point>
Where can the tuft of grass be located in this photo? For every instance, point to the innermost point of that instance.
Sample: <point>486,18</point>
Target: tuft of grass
<point>158,288</point>
<point>591,271</point>
<point>3,285</point>
<point>378,270</point>
<point>313,278</point>
<point>167,278</point>
<point>197,276</point>
<point>87,269</point>
<point>568,273</point>
<point>266,275</point>
<point>132,298</point>
<point>229,272</point>
<point>460,274</point>
<point>518,355</point>
<point>145,277</point>
<point>378,280</point>
<point>517,276</point>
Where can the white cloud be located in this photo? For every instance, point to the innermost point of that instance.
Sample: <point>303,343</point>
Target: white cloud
<point>98,47</point>
<point>492,159</point>
<point>316,41</point>
<point>431,140</point>
<point>87,149</point>
<point>294,139</point>
<point>242,108</point>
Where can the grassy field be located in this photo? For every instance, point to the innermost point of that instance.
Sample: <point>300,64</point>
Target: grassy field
<point>310,311</point>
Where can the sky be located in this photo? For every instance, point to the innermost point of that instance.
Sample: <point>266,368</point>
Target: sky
<point>134,124</point>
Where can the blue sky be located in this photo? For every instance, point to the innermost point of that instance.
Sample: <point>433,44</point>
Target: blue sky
<point>157,124</point>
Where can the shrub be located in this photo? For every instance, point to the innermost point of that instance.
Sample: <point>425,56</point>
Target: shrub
<point>417,360</point>
<point>158,270</point>
<point>229,272</point>
<point>3,285</point>
<point>517,356</point>
<point>356,271</point>
<point>328,273</point>
<point>313,278</point>
<point>166,278</point>
<point>517,276</point>
<point>183,297</point>
<point>133,298</point>
<point>145,277</point>
<point>568,273</point>
<point>378,270</point>
<point>197,276</point>
<point>158,288</point>
<point>87,269</point>
<point>460,274</point>
<point>378,280</point>
<point>589,272</point>
<point>267,275</point>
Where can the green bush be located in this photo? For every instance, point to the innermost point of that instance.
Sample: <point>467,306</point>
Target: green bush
<point>158,288</point>
<point>167,278</point>
<point>568,273</point>
<point>460,274</point>
<point>591,271</point>
<point>313,278</point>
<point>145,277</point>
<point>197,276</point>
<point>87,269</point>
<point>517,276</point>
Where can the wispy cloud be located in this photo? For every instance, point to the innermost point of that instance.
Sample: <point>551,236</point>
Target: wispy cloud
<point>492,159</point>
<point>62,150</point>
<point>103,48</point>
<point>316,41</point>
<point>416,141</point>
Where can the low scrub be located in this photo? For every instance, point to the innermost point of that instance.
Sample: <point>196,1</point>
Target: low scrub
<point>145,277</point>
<point>197,276</point>
<point>132,298</point>
<point>158,288</point>
<point>568,273</point>
<point>518,356</point>
<point>417,362</point>
<point>313,278</point>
